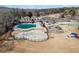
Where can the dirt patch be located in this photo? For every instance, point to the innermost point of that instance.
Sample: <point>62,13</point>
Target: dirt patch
<point>56,43</point>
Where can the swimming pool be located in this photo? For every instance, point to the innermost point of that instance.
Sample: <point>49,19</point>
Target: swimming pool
<point>26,25</point>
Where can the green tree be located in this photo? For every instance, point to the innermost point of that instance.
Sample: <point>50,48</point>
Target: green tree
<point>37,14</point>
<point>62,15</point>
<point>23,13</point>
<point>72,12</point>
<point>30,14</point>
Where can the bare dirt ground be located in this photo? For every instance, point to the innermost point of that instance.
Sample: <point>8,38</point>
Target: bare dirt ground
<point>52,15</point>
<point>55,44</point>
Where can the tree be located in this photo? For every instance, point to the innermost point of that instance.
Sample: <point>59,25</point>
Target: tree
<point>62,15</point>
<point>29,14</point>
<point>72,12</point>
<point>37,14</point>
<point>23,13</point>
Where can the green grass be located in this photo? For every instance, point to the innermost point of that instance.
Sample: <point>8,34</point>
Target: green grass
<point>74,25</point>
<point>58,27</point>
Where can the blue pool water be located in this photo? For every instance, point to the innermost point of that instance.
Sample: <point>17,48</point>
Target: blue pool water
<point>25,25</point>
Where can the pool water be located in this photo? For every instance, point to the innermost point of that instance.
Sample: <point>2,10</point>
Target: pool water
<point>26,25</point>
